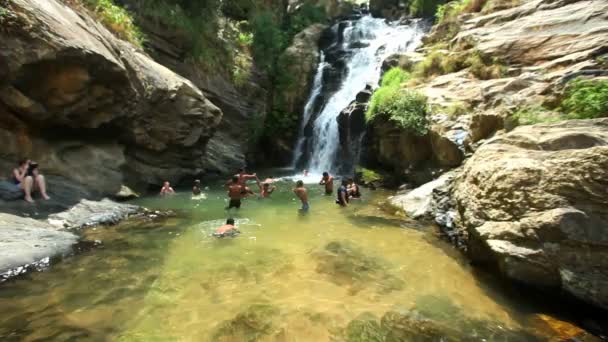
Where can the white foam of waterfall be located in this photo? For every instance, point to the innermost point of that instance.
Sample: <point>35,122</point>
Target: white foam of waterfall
<point>317,85</point>
<point>370,41</point>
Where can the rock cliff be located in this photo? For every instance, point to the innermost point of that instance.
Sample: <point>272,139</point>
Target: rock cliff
<point>535,203</point>
<point>93,108</point>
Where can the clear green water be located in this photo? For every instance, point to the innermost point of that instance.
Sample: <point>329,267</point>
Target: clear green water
<point>336,274</point>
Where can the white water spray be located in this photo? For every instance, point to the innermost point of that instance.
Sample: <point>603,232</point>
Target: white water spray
<point>369,41</point>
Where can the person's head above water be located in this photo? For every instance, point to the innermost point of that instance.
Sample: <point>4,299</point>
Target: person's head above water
<point>235,179</point>
<point>299,184</point>
<point>241,170</point>
<point>351,181</point>
<point>230,221</point>
<point>325,174</point>
<point>344,182</point>
<point>166,184</point>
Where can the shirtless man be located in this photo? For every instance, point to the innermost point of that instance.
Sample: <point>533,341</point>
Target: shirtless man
<point>265,189</point>
<point>243,177</point>
<point>235,193</point>
<point>328,181</point>
<point>342,198</point>
<point>302,194</point>
<point>166,189</point>
<point>227,230</point>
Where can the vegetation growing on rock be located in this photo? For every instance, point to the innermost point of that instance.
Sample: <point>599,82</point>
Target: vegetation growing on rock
<point>586,99</point>
<point>117,19</point>
<point>406,108</point>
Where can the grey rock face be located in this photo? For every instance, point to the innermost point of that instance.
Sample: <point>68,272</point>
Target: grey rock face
<point>92,213</point>
<point>102,102</point>
<point>25,241</point>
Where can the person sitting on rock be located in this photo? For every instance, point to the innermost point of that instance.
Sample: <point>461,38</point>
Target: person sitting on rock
<point>167,189</point>
<point>226,230</point>
<point>196,189</point>
<point>353,189</point>
<point>27,176</point>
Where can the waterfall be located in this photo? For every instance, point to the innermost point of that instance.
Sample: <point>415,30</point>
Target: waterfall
<point>356,55</point>
<point>308,109</point>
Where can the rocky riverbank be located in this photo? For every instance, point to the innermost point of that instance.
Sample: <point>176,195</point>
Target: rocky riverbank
<point>27,244</point>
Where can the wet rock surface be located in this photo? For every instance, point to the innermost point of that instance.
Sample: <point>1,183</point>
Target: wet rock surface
<point>91,213</point>
<point>347,265</point>
<point>25,242</point>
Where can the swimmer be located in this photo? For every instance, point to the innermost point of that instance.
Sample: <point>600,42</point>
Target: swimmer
<point>265,189</point>
<point>166,189</point>
<point>196,189</point>
<point>353,189</point>
<point>302,194</point>
<point>227,230</point>
<point>342,198</point>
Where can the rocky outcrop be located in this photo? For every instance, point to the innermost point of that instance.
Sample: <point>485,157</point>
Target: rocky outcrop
<point>93,108</point>
<point>93,213</point>
<point>352,128</point>
<point>420,202</point>
<point>333,8</point>
<point>25,243</point>
<point>300,59</point>
<point>534,203</point>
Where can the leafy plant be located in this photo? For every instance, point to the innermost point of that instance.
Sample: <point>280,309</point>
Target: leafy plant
<point>407,109</point>
<point>268,40</point>
<point>117,20</point>
<point>390,84</point>
<point>532,115</point>
<point>368,175</point>
<point>586,99</point>
<point>424,8</point>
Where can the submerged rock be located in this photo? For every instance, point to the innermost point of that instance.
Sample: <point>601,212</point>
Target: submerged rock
<point>252,324</point>
<point>535,204</point>
<point>347,265</point>
<point>25,241</point>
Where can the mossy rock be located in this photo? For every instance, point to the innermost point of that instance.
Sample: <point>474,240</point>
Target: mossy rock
<point>365,328</point>
<point>249,325</point>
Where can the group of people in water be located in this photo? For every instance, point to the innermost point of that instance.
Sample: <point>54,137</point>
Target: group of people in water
<point>237,189</point>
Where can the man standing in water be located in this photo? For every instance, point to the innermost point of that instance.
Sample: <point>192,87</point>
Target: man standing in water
<point>166,189</point>
<point>235,193</point>
<point>342,199</point>
<point>328,181</point>
<point>302,194</point>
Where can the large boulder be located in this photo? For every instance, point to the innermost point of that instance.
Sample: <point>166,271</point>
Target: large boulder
<point>25,241</point>
<point>92,213</point>
<point>418,203</point>
<point>535,204</point>
<point>74,93</point>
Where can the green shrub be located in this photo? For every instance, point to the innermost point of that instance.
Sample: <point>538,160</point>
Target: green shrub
<point>368,175</point>
<point>440,63</point>
<point>424,8</point>
<point>268,40</point>
<point>305,16</point>
<point>389,85</point>
<point>407,109</point>
<point>586,99</point>
<point>531,115</point>
<point>394,77</point>
<point>117,20</point>
<point>484,67</point>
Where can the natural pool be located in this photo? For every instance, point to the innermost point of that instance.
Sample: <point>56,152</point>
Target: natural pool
<point>353,274</point>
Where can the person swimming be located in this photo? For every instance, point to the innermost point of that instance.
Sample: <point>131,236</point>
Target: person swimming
<point>265,187</point>
<point>196,188</point>
<point>353,189</point>
<point>167,189</point>
<point>227,230</point>
<point>302,194</point>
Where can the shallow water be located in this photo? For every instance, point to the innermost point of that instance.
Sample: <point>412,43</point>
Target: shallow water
<point>335,274</point>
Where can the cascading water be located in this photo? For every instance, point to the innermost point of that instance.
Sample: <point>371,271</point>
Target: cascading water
<point>359,48</point>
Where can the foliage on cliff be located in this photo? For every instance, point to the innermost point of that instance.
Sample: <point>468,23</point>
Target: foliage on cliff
<point>407,109</point>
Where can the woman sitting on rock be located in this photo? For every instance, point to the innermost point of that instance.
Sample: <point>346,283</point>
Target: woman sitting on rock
<point>28,178</point>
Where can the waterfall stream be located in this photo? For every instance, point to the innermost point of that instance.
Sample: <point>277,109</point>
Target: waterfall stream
<point>358,49</point>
